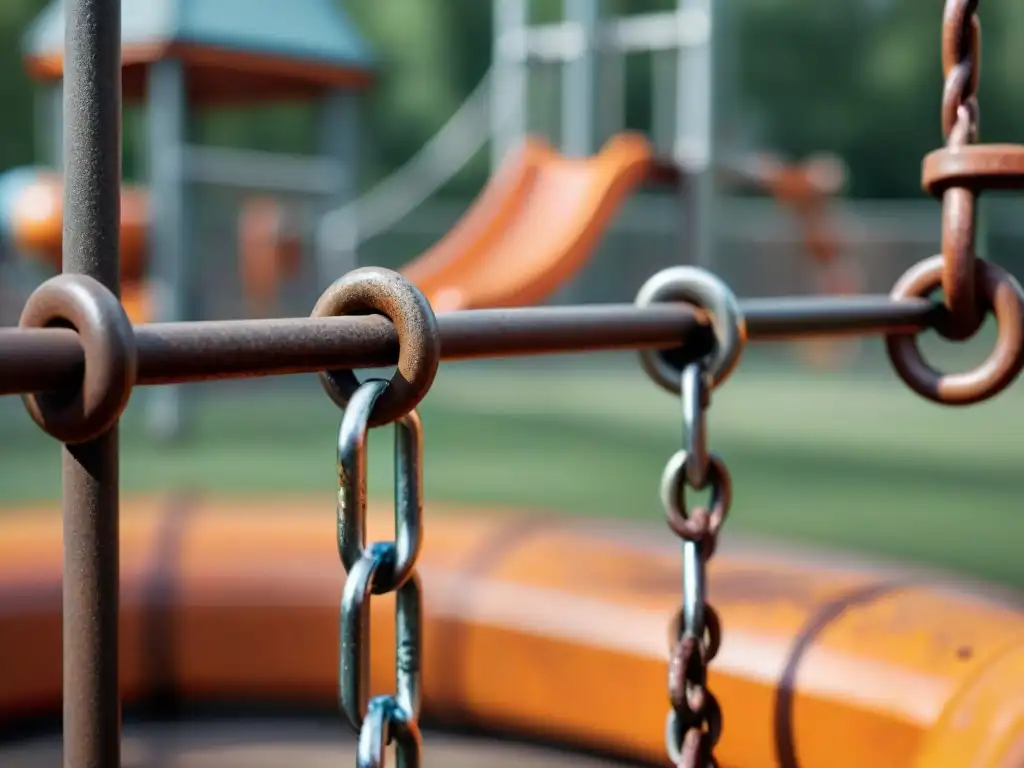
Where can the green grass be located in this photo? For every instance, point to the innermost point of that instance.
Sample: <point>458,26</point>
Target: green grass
<point>855,463</point>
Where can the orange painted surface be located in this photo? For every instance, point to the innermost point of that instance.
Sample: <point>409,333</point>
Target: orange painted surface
<point>270,250</point>
<point>550,629</point>
<point>533,227</point>
<point>38,224</point>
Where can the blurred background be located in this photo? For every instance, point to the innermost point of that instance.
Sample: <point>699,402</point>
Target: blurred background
<point>825,444</point>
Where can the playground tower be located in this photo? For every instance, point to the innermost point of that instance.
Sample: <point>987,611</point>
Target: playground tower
<point>180,55</point>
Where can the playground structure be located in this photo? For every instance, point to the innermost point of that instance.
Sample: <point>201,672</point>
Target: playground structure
<point>813,667</point>
<point>481,262</point>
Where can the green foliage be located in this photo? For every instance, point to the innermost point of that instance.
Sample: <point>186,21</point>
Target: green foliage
<point>859,78</point>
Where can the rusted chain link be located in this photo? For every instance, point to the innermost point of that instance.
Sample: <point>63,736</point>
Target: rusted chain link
<point>384,566</point>
<point>694,724</point>
<point>961,62</point>
<point>957,174</point>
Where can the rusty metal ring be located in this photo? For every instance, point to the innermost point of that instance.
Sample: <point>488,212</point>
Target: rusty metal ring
<point>976,167</point>
<point>701,288</point>
<point>1003,295</point>
<point>675,731</point>
<point>375,290</point>
<point>712,632</point>
<point>94,312</point>
<point>673,498</point>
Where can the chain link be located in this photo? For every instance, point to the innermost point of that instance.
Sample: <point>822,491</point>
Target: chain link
<point>376,569</point>
<point>694,724</point>
<point>961,63</point>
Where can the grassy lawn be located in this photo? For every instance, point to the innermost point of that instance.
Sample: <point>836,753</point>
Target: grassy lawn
<point>858,463</point>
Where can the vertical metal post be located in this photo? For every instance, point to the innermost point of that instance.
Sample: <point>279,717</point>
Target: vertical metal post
<point>92,212</point>
<point>611,105</point>
<point>340,141</point>
<point>508,68</point>
<point>664,112</point>
<point>166,121</point>
<point>579,80</point>
<point>695,128</point>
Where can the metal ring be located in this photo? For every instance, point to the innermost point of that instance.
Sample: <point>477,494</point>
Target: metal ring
<point>110,358</point>
<point>374,290</point>
<point>674,733</point>
<point>712,631</point>
<point>386,721</point>
<point>707,292</point>
<point>351,523</point>
<point>1003,295</point>
<point>355,642</point>
<point>673,497</point>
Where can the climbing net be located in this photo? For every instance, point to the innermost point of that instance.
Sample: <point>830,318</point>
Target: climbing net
<point>76,358</point>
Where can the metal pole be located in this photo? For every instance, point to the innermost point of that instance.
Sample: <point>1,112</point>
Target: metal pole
<point>169,213</point>
<point>92,212</point>
<point>46,359</point>
<point>695,148</point>
<point>579,80</point>
<point>509,72</point>
<point>339,141</point>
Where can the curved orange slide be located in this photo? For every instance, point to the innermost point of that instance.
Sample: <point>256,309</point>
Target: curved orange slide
<point>533,227</point>
<point>821,665</point>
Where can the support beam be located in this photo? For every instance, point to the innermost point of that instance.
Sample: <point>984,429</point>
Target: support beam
<point>270,171</point>
<point>508,125</point>
<point>579,81</point>
<point>565,40</point>
<point>170,252</point>
<point>339,144</point>
<point>694,140</point>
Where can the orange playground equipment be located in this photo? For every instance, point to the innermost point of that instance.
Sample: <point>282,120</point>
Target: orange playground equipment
<point>822,666</point>
<point>532,229</point>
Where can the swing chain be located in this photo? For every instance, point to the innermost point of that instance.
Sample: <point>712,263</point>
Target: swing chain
<point>694,724</point>
<point>957,174</point>
<point>380,568</point>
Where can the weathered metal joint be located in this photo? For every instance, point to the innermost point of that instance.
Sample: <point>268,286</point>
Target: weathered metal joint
<point>375,290</point>
<point>108,342</point>
<point>1002,295</point>
<point>709,294</point>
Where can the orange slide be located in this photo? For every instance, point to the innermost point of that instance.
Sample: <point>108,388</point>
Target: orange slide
<point>530,231</point>
<point>533,227</point>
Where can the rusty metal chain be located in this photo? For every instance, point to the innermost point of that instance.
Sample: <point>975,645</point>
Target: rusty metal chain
<point>961,63</point>
<point>694,724</point>
<point>957,174</point>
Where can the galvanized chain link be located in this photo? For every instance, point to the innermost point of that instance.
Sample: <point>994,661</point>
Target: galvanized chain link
<point>694,724</point>
<point>376,569</point>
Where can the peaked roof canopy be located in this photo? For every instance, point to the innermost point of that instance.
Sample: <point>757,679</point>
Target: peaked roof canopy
<point>236,51</point>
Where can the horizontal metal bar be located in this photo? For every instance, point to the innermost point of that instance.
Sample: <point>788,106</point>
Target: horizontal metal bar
<point>253,169</point>
<point>566,40</point>
<point>47,359</point>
